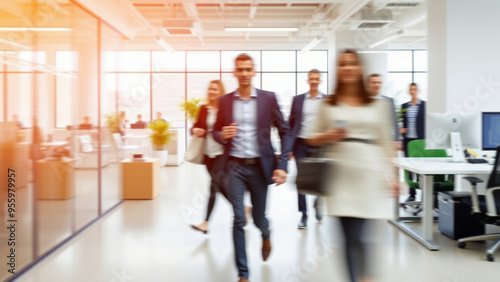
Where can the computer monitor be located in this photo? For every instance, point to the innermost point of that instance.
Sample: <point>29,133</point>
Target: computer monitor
<point>491,130</point>
<point>453,130</point>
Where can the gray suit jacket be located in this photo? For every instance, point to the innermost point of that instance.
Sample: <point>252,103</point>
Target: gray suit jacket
<point>395,126</point>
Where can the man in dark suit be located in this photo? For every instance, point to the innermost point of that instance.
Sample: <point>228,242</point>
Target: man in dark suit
<point>413,124</point>
<point>243,126</point>
<point>302,121</point>
<point>373,85</point>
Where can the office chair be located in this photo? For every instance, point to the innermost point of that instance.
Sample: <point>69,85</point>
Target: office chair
<point>486,207</point>
<point>416,149</point>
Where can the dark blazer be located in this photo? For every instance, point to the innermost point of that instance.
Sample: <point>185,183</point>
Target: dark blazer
<point>295,118</point>
<point>201,121</point>
<point>420,119</point>
<point>395,126</point>
<point>268,114</point>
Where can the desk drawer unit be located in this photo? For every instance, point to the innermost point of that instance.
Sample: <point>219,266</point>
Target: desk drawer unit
<point>455,218</point>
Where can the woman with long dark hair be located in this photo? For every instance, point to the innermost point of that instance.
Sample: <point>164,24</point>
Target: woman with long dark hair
<point>355,130</point>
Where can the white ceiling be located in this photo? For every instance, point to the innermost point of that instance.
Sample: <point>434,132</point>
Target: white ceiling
<point>200,24</point>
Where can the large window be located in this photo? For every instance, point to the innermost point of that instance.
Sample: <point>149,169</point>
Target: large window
<point>146,82</point>
<point>405,67</point>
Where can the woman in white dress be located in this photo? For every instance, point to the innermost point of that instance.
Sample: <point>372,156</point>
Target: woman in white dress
<point>356,131</point>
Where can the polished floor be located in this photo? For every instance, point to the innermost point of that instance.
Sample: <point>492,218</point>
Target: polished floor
<point>152,241</point>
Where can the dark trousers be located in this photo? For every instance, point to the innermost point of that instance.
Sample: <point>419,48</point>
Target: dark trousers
<point>246,177</point>
<point>303,150</point>
<point>413,192</point>
<point>355,249</point>
<point>211,164</point>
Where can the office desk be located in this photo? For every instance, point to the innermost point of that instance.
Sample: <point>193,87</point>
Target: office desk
<point>426,168</point>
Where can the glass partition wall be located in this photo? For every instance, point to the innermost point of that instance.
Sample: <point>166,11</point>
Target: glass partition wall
<point>58,158</point>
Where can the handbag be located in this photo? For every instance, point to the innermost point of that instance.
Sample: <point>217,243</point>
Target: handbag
<point>312,175</point>
<point>195,152</point>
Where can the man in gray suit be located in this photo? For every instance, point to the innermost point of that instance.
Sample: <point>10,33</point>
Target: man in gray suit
<point>373,85</point>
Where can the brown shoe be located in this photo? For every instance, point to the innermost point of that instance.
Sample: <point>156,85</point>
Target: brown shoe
<point>266,248</point>
<point>243,280</point>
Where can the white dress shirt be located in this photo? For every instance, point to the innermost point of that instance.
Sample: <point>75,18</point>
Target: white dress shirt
<point>245,143</point>
<point>212,147</point>
<point>412,120</point>
<point>309,114</point>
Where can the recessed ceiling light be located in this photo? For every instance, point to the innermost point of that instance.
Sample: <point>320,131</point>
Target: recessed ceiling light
<point>35,29</point>
<point>261,29</point>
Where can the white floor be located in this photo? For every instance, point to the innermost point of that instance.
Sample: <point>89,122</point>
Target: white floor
<point>152,241</point>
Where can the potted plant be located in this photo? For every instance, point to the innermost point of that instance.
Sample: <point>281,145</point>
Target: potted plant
<point>192,108</point>
<point>112,122</point>
<point>159,139</point>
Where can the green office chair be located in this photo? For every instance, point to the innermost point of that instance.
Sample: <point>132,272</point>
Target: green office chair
<point>416,149</point>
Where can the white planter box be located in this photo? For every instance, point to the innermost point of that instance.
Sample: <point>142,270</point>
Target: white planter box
<point>162,156</point>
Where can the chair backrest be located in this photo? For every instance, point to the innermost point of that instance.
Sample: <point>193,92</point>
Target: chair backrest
<point>492,188</point>
<point>494,180</point>
<point>85,143</point>
<point>416,149</point>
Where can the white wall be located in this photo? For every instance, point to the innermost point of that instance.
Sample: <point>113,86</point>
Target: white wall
<point>464,61</point>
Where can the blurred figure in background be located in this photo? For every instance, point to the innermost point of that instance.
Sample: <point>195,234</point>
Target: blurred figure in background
<point>203,128</point>
<point>122,123</point>
<point>140,122</point>
<point>413,113</point>
<point>374,85</point>
<point>355,129</point>
<point>86,123</point>
<point>302,121</point>
<point>158,117</point>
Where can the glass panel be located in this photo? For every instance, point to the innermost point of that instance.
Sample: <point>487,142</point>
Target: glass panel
<point>278,61</point>
<point>134,95</point>
<point>1,93</point>
<point>133,61</point>
<point>303,86</point>
<point>421,81</point>
<point>168,93</point>
<point>65,87</point>
<point>19,93</point>
<point>111,84</point>
<point>283,84</point>
<point>66,61</point>
<point>231,83</point>
<point>22,60</point>
<point>203,61</point>
<point>227,59</point>
<point>399,61</point>
<point>420,60</point>
<point>312,60</point>
<point>166,61</point>
<point>197,84</point>
<point>85,138</point>
<point>397,86</point>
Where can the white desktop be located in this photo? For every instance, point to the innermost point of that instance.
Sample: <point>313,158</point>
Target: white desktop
<point>455,132</point>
